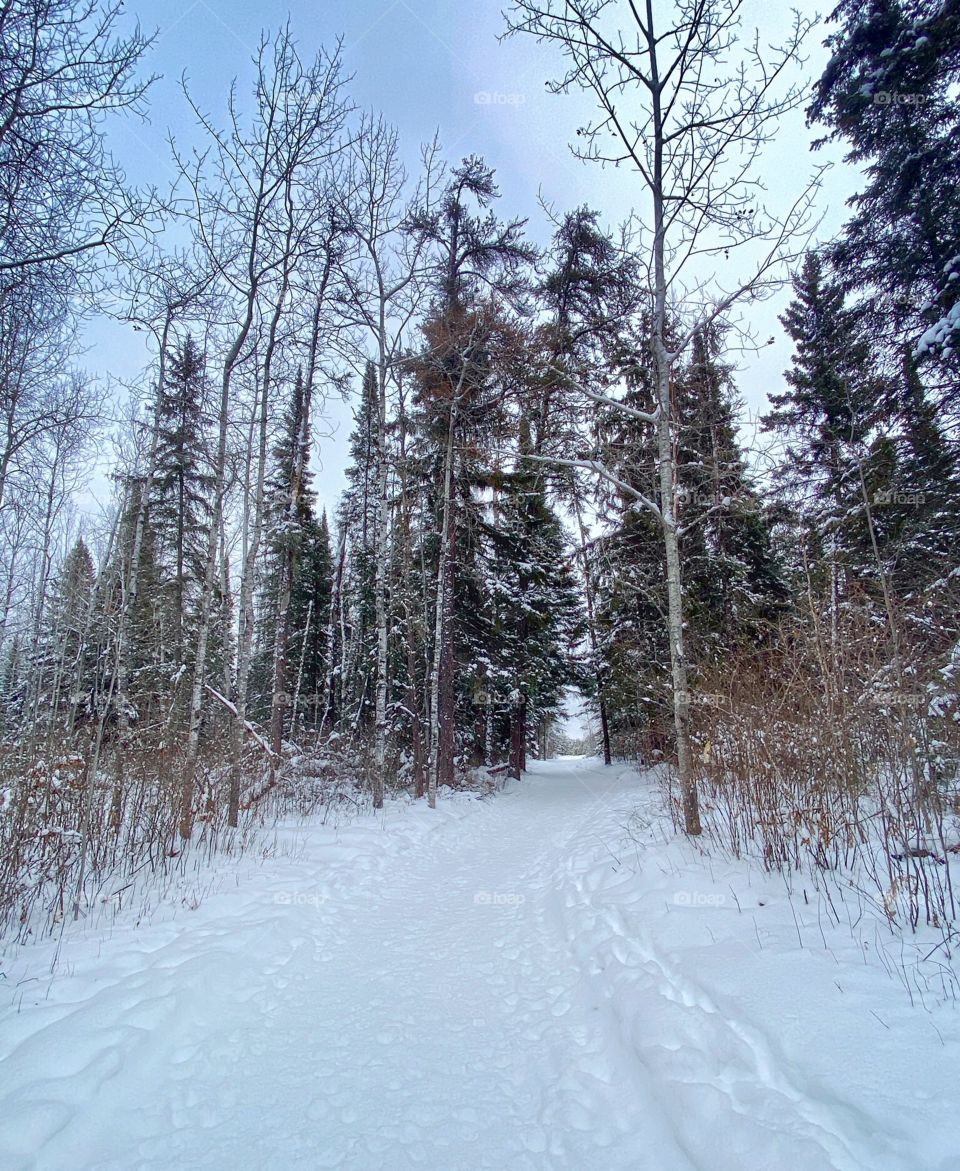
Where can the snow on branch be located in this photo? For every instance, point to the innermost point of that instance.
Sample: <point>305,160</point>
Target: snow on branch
<point>232,709</point>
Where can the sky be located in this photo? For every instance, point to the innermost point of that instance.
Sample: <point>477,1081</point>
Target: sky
<point>433,67</point>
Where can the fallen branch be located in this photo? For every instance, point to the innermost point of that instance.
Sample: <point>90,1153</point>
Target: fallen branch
<point>232,709</point>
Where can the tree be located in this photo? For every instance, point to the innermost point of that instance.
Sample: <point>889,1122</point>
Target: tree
<point>833,398</point>
<point>291,659</point>
<point>358,521</point>
<point>476,253</point>
<point>588,291</point>
<point>537,606</point>
<point>179,510</point>
<point>734,589</point>
<point>889,92</point>
<point>63,201</point>
<point>693,140</point>
<point>70,613</point>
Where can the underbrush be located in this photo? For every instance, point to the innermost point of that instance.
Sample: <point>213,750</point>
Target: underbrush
<point>83,837</point>
<point>835,767</point>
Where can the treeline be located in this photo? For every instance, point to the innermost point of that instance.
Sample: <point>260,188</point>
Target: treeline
<point>546,488</point>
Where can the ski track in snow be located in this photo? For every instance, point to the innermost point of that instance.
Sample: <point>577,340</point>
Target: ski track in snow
<point>454,990</point>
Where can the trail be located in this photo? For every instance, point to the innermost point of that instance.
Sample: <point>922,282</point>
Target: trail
<point>446,994</point>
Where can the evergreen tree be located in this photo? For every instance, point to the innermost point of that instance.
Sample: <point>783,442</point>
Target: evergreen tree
<point>889,91</point>
<point>67,652</point>
<point>826,416</point>
<point>357,523</point>
<point>733,586</point>
<point>180,509</point>
<point>291,664</point>
<point>537,608</point>
<point>468,338</point>
<point>867,466</point>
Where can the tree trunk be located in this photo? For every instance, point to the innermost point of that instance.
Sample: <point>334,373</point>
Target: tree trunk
<point>592,628</point>
<point>381,616</point>
<point>675,632</point>
<point>661,372</point>
<point>518,735</point>
<point>414,704</point>
<point>442,681</point>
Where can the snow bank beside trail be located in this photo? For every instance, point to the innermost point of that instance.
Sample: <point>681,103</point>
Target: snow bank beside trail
<point>277,864</point>
<point>79,1012</point>
<point>776,1038</point>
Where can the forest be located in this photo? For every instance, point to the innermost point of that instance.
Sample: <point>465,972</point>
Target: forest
<point>549,487</point>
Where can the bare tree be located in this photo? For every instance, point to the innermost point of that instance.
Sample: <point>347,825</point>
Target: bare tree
<point>687,105</point>
<point>64,67</point>
<point>386,280</point>
<point>250,194</point>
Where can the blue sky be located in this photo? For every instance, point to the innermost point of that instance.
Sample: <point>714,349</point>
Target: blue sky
<point>430,67</point>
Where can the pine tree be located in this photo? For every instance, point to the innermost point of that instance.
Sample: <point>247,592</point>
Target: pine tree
<point>357,524</point>
<point>537,607</point>
<point>291,660</point>
<point>70,616</point>
<point>913,485</point>
<point>478,255</point>
<point>180,508</point>
<point>733,586</point>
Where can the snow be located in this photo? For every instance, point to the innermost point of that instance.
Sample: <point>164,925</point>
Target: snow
<point>549,979</point>
<point>938,334</point>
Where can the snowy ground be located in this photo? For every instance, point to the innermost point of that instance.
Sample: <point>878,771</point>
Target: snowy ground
<point>532,982</point>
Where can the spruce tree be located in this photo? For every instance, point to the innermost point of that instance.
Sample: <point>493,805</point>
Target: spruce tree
<point>538,611</point>
<point>180,507</point>
<point>357,524</point>
<point>733,589</point>
<point>290,664</point>
<point>888,91</point>
<point>826,417</point>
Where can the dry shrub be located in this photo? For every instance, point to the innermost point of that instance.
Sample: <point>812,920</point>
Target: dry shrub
<point>76,838</point>
<point>815,754</point>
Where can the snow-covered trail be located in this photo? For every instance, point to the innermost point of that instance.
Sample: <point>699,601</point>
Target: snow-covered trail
<point>446,992</point>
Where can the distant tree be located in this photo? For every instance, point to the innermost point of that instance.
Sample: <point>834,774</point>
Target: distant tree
<point>538,607</point>
<point>68,649</point>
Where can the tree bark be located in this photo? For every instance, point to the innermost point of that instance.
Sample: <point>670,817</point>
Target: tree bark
<point>442,684</point>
